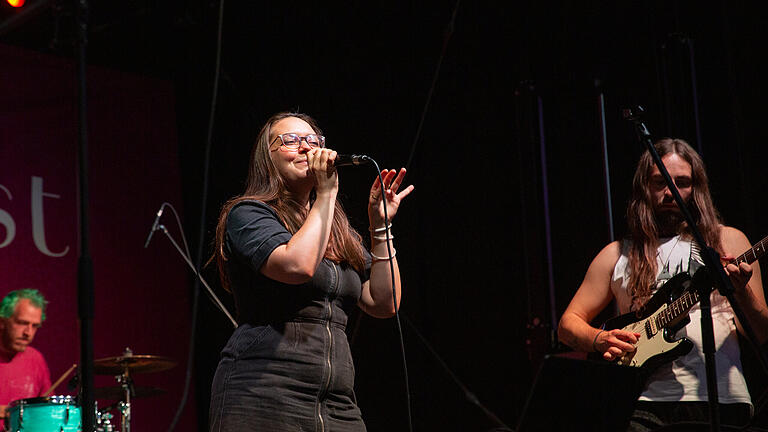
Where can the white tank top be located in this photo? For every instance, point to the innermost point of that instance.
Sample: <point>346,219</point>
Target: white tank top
<point>685,378</point>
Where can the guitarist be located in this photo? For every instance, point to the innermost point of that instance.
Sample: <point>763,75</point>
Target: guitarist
<point>659,246</point>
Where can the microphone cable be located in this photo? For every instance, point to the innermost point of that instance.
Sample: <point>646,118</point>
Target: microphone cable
<point>201,232</point>
<point>430,92</point>
<point>394,293</point>
<point>468,394</point>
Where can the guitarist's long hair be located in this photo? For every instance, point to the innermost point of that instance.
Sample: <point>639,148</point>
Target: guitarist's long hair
<point>643,228</point>
<point>345,245</point>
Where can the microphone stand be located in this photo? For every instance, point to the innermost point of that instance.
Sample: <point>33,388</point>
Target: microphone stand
<point>215,299</point>
<point>713,267</point>
<point>85,281</point>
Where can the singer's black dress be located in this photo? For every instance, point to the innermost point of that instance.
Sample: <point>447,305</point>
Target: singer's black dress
<point>288,366</point>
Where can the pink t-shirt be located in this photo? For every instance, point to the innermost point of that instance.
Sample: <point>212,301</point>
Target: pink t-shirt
<point>25,376</point>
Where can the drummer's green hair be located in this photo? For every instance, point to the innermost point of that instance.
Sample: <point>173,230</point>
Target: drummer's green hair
<point>8,305</point>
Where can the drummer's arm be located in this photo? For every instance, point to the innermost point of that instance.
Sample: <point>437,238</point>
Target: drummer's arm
<point>3,411</point>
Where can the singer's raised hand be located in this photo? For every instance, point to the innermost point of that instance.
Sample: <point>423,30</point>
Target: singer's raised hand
<point>393,180</point>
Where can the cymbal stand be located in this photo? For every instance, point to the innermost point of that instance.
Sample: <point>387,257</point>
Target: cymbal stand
<point>125,405</point>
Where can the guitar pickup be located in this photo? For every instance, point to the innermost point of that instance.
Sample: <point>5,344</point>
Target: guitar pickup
<point>650,329</point>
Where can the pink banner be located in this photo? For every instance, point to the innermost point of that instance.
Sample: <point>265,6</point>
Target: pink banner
<point>141,295</point>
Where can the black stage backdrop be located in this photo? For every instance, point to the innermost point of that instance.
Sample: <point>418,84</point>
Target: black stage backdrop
<point>510,203</point>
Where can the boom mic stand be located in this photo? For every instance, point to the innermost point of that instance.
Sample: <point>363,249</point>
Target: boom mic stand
<point>715,272</point>
<point>214,298</point>
<point>157,226</point>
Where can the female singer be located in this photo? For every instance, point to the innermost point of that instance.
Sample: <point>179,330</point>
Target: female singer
<point>296,268</point>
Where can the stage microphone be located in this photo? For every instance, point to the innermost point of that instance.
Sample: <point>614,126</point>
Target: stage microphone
<point>154,225</point>
<point>346,160</point>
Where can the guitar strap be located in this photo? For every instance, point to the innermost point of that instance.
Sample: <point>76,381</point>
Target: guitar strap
<point>695,261</point>
<point>665,273</point>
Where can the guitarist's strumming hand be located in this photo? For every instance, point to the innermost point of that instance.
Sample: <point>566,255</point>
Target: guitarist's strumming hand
<point>615,343</point>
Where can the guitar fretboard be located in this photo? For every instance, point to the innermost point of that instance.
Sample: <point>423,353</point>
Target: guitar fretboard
<point>753,254</point>
<point>687,300</point>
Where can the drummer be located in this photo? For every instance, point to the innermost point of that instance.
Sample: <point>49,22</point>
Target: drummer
<point>23,371</point>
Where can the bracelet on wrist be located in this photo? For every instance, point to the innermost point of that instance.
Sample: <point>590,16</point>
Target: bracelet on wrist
<point>380,230</point>
<point>378,258</point>
<point>383,237</point>
<point>594,341</point>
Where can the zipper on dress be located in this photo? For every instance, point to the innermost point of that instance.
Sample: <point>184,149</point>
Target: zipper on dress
<point>327,383</point>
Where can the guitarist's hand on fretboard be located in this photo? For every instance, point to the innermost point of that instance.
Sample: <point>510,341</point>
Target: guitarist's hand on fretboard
<point>615,343</point>
<point>738,271</point>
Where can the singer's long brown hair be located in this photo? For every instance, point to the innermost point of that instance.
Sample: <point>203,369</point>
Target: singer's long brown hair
<point>642,223</point>
<point>265,184</point>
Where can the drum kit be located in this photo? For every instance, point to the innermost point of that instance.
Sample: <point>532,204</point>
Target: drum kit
<point>63,413</point>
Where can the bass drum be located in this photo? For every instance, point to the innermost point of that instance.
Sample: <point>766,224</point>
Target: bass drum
<point>45,414</point>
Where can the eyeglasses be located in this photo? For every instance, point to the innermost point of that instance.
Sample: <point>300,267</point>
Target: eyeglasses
<point>292,141</point>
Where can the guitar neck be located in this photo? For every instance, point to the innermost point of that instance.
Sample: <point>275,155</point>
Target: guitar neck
<point>753,254</point>
<point>688,299</point>
<point>677,308</point>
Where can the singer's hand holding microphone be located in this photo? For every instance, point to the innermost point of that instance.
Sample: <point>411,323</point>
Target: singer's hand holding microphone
<point>320,163</point>
<point>324,161</point>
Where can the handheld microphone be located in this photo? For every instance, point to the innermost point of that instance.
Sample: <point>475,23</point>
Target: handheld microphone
<point>346,160</point>
<point>154,226</point>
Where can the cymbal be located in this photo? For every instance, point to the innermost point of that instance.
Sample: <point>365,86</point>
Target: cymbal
<point>132,363</point>
<point>118,393</point>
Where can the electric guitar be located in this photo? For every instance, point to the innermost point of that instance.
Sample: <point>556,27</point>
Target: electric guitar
<point>666,313</point>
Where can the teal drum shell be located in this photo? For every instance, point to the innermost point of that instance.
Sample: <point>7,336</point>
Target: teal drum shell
<point>45,414</point>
